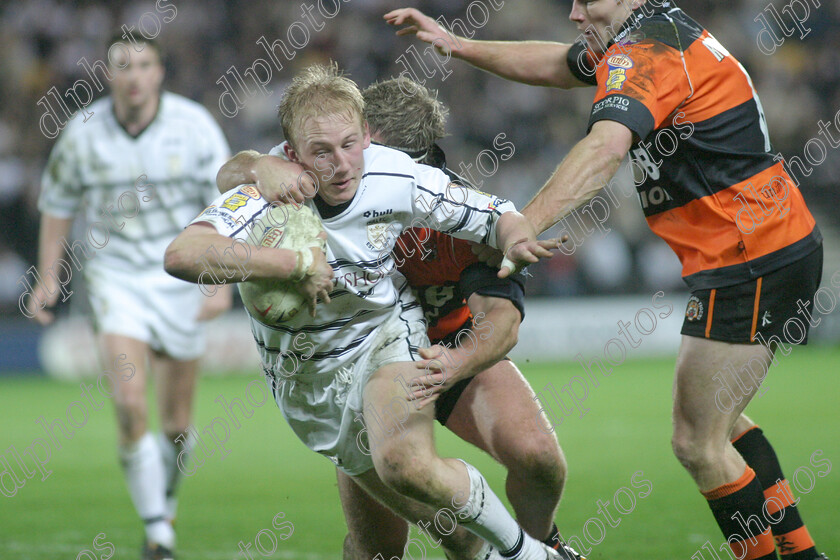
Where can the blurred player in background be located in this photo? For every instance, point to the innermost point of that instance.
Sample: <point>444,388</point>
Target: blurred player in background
<point>143,165</point>
<point>484,400</point>
<point>336,374</point>
<point>710,186</point>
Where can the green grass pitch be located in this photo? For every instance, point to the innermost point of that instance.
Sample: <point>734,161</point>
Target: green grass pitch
<point>268,471</point>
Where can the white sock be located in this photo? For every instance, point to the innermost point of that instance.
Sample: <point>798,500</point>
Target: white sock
<point>486,516</point>
<point>171,473</point>
<point>143,470</point>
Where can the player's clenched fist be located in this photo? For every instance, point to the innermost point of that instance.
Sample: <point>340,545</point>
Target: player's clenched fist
<point>424,27</point>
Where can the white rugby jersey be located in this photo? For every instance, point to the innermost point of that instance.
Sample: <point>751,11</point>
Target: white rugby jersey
<point>96,162</point>
<point>394,194</point>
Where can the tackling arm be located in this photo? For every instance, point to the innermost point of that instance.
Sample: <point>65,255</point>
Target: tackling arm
<point>275,177</point>
<point>586,170</point>
<point>538,63</point>
<point>443,366</point>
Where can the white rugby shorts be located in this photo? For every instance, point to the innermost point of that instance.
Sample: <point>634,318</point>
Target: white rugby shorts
<point>322,409</point>
<point>151,306</point>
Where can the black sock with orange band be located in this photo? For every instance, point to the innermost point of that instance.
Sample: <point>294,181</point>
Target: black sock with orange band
<point>792,537</point>
<point>737,508</point>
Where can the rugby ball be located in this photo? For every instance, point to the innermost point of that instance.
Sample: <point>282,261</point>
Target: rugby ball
<point>286,226</point>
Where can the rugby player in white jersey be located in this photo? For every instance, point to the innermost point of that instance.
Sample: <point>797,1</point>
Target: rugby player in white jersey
<point>330,369</point>
<point>143,165</point>
<point>485,400</point>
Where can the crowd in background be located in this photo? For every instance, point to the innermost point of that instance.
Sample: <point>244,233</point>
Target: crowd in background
<point>43,40</point>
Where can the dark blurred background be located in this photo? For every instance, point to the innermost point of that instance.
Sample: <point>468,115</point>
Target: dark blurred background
<point>43,40</point>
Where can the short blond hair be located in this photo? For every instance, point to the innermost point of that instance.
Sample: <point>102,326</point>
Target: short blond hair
<point>320,89</point>
<point>405,114</point>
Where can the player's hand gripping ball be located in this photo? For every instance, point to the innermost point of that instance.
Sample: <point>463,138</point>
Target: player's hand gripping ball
<point>273,301</point>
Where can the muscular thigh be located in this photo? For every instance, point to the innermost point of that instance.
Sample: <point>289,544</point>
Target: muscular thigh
<point>497,412</point>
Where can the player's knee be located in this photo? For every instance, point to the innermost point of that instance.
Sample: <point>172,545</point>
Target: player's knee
<point>132,412</point>
<point>693,452</point>
<point>539,460</point>
<point>404,472</point>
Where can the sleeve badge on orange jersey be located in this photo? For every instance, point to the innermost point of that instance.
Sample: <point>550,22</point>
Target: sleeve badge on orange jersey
<point>618,65</point>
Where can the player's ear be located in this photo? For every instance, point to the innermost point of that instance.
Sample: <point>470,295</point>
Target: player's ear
<point>366,139</point>
<point>290,152</point>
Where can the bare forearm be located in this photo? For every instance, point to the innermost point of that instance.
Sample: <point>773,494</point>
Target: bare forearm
<point>538,63</point>
<point>50,249</point>
<point>238,170</point>
<point>585,171</point>
<point>199,249</point>
<point>493,336</point>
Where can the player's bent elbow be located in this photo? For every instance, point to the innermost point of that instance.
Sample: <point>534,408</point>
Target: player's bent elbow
<point>176,263</point>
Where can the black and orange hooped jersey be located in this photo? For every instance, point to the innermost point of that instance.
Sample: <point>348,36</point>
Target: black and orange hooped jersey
<point>707,178</point>
<point>444,272</point>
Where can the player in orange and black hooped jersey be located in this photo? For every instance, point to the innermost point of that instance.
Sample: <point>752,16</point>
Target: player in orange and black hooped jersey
<point>669,94</point>
<point>711,187</point>
<point>713,190</point>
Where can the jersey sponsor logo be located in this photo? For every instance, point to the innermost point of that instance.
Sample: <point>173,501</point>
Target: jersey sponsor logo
<point>651,170</point>
<point>235,201</point>
<point>494,205</point>
<point>612,102</point>
<point>694,310</point>
<point>654,197</point>
<point>618,65</point>
<point>213,212</point>
<point>376,214</point>
<point>357,279</point>
<point>620,61</point>
<point>251,191</point>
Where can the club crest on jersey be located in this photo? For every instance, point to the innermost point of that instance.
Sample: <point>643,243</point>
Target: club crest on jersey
<point>235,201</point>
<point>377,236</point>
<point>251,191</point>
<point>694,310</point>
<point>618,65</point>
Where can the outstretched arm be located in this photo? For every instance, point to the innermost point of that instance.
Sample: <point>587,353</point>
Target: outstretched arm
<point>587,169</point>
<point>538,63</point>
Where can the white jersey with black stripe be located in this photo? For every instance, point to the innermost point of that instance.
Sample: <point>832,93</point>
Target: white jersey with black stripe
<point>394,194</point>
<point>138,192</point>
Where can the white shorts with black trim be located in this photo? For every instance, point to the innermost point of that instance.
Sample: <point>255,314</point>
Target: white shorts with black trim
<point>325,410</point>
